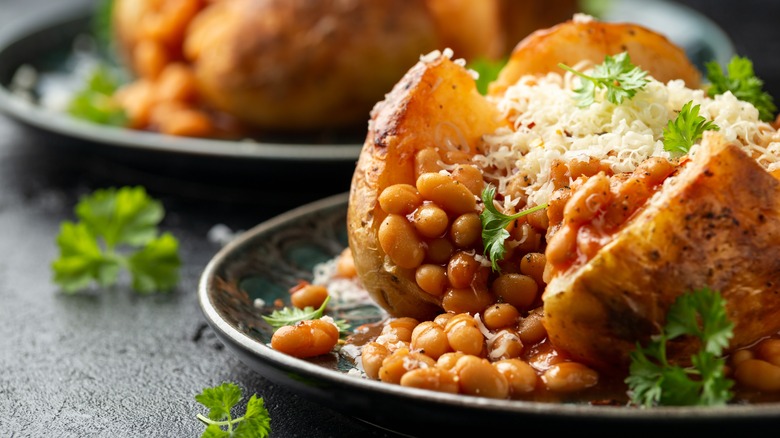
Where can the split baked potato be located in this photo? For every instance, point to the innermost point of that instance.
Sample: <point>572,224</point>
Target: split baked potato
<point>716,226</point>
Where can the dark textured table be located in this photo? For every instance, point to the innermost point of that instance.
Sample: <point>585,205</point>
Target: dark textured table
<point>114,363</point>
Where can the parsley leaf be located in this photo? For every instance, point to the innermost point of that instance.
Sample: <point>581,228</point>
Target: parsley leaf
<point>293,315</point>
<point>743,83</point>
<point>108,218</point>
<point>220,400</point>
<point>654,381</point>
<point>616,74</point>
<point>95,101</point>
<point>488,71</point>
<point>685,130</point>
<point>494,225</point>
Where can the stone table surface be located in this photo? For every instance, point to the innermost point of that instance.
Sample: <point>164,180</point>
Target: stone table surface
<point>113,363</point>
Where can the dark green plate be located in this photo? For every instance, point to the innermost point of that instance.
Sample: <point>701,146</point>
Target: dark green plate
<point>267,260</point>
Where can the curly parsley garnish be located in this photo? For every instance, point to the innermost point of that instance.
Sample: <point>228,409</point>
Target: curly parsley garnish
<point>95,101</point>
<point>220,400</point>
<point>617,75</point>
<point>494,225</point>
<point>109,219</point>
<point>741,80</point>
<point>685,130</point>
<point>293,315</point>
<point>654,381</point>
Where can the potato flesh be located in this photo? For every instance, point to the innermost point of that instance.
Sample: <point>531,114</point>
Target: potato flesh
<point>717,226</point>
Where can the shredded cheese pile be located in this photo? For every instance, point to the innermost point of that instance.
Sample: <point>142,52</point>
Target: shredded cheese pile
<point>548,125</point>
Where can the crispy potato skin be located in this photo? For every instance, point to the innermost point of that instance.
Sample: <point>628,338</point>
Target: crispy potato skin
<point>435,104</point>
<point>280,64</point>
<point>571,42</point>
<point>717,226</point>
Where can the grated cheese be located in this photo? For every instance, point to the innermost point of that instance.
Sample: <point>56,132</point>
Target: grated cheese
<point>548,125</point>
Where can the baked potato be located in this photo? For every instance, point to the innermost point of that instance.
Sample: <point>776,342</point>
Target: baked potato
<point>427,137</point>
<point>276,65</point>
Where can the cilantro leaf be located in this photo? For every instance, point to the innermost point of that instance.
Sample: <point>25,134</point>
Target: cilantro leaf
<point>294,315</point>
<point>220,400</point>
<point>488,71</point>
<point>686,129</point>
<point>616,74</point>
<point>494,225</point>
<point>654,381</point>
<point>110,217</point>
<point>95,101</point>
<point>741,80</point>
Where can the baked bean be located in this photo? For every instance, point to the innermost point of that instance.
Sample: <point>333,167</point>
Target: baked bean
<point>174,118</point>
<point>449,194</point>
<point>559,174</point>
<point>561,248</point>
<point>526,239</point>
<point>556,205</point>
<point>466,230</point>
<point>532,265</point>
<point>431,278</point>
<point>741,356</point>
<point>569,377</point>
<point>588,200</point>
<point>464,335</point>
<point>452,156</point>
<point>654,170</point>
<point>137,100</point>
<point>400,199</point>
<point>176,83</point>
<point>372,355</point>
<point>447,361</point>
<point>530,329</point>
<point>500,315</point>
<point>435,379</point>
<point>426,161</point>
<point>400,328</point>
<point>345,264</point>
<point>442,318</point>
<point>400,242</point>
<point>400,361</point>
<point>429,338</point>
<point>758,374</point>
<point>769,350</point>
<point>590,239</point>
<point>505,344</point>
<point>477,376</point>
<point>168,21</point>
<point>430,220</point>
<point>461,269</point>
<point>310,295</point>
<point>516,289</point>
<point>470,176</point>
<point>588,168</point>
<point>439,251</point>
<point>149,58</point>
<point>307,338</point>
<point>538,220</point>
<point>466,300</point>
<point>520,375</point>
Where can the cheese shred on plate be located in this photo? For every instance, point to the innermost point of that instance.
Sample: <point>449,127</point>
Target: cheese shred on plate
<point>548,125</point>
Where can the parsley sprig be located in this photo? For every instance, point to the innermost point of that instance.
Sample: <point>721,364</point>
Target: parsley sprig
<point>616,74</point>
<point>741,80</point>
<point>220,400</point>
<point>117,229</point>
<point>686,129</point>
<point>294,315</point>
<point>654,381</point>
<point>488,70</point>
<point>494,225</point>
<point>95,101</point>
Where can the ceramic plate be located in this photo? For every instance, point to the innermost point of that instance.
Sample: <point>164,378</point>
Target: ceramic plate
<point>45,42</point>
<point>264,262</point>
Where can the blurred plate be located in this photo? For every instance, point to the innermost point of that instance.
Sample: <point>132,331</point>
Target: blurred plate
<point>45,40</point>
<point>264,262</point>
